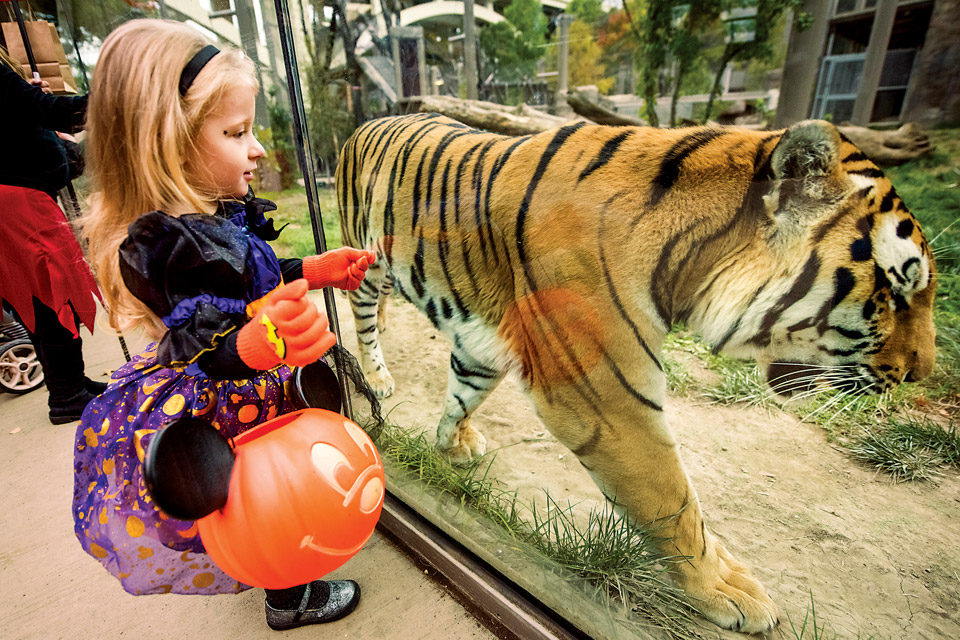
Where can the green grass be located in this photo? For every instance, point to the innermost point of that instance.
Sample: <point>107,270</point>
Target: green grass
<point>296,241</point>
<point>617,558</point>
<point>739,382</point>
<point>679,380</point>
<point>908,449</point>
<point>809,627</point>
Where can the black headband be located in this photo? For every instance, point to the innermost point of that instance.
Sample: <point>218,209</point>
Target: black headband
<point>193,67</point>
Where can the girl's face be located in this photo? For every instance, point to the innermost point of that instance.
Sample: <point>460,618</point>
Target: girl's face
<point>227,151</point>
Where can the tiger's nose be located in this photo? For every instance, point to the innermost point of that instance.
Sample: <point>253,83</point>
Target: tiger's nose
<point>919,366</point>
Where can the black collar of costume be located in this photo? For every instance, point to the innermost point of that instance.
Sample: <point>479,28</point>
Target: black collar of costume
<point>197,62</point>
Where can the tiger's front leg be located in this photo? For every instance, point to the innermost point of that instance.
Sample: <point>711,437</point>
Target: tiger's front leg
<point>469,382</point>
<point>634,460</point>
<point>368,304</point>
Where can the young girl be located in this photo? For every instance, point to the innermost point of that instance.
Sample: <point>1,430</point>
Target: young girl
<point>180,249</point>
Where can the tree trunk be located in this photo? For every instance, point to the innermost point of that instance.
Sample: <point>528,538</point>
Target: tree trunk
<point>590,110</point>
<point>934,95</point>
<point>715,88</point>
<point>353,67</point>
<point>729,53</point>
<point>681,71</point>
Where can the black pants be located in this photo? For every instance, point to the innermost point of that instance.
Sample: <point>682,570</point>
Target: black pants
<point>60,354</point>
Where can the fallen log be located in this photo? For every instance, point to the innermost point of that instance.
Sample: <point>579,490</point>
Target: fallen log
<point>886,148</point>
<point>889,148</point>
<point>511,121</point>
<point>584,106</point>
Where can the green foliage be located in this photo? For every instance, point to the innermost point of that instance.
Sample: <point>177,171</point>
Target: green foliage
<point>589,11</point>
<point>653,22</point>
<point>96,20</point>
<point>586,58</point>
<point>671,30</point>
<point>759,48</point>
<point>296,240</point>
<point>512,47</point>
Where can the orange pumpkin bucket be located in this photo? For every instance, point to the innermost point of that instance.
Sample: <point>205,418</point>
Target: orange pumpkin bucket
<point>305,493</point>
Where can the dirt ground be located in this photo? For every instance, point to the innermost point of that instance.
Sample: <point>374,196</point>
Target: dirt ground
<point>879,559</point>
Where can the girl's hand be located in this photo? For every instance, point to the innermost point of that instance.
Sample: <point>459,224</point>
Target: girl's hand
<point>288,328</point>
<point>43,84</point>
<point>343,268</point>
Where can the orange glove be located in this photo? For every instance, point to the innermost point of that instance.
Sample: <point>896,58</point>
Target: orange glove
<point>288,328</point>
<point>343,268</point>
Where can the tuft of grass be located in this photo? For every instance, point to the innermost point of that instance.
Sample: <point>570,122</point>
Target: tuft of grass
<point>739,382</point>
<point>816,631</point>
<point>614,556</point>
<point>908,449</point>
<point>619,558</point>
<point>469,484</point>
<point>903,460</point>
<point>842,414</point>
<point>679,379</point>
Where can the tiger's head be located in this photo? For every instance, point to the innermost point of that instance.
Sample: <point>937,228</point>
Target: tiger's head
<point>849,301</point>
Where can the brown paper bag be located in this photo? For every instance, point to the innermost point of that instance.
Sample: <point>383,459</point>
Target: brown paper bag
<point>48,53</point>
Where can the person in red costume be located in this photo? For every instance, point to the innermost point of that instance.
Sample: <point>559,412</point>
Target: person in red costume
<point>44,279</point>
<point>179,245</point>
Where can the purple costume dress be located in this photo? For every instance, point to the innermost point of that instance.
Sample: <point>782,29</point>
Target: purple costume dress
<point>197,272</point>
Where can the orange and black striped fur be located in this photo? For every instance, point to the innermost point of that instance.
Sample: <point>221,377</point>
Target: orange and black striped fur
<point>568,255</point>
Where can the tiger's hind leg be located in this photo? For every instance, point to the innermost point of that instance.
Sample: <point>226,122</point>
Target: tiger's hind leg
<point>369,309</point>
<point>469,381</point>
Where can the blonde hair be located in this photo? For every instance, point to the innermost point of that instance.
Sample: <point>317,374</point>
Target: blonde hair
<point>140,134</point>
<point>8,60</point>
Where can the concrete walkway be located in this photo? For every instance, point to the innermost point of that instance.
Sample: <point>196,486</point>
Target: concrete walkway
<point>50,588</point>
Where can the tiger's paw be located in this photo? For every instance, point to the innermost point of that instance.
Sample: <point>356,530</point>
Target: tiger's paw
<point>734,599</point>
<point>381,382</point>
<point>470,445</point>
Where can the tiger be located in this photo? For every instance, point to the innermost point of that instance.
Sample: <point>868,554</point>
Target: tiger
<point>567,256</point>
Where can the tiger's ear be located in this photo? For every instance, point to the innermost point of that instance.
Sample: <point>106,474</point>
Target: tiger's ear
<point>805,166</point>
<point>807,149</point>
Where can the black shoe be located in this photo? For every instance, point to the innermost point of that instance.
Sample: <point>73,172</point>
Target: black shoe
<point>62,412</point>
<point>94,387</point>
<point>343,598</point>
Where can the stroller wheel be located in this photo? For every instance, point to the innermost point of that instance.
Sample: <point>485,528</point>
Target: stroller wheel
<point>20,370</point>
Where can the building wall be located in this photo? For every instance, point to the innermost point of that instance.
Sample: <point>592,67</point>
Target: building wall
<point>802,65</point>
<point>934,94</point>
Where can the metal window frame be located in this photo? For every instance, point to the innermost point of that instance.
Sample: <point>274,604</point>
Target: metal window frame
<point>499,604</point>
<point>825,79</point>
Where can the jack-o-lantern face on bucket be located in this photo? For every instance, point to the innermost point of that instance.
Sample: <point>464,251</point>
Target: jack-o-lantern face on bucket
<point>358,479</point>
<point>305,494</point>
